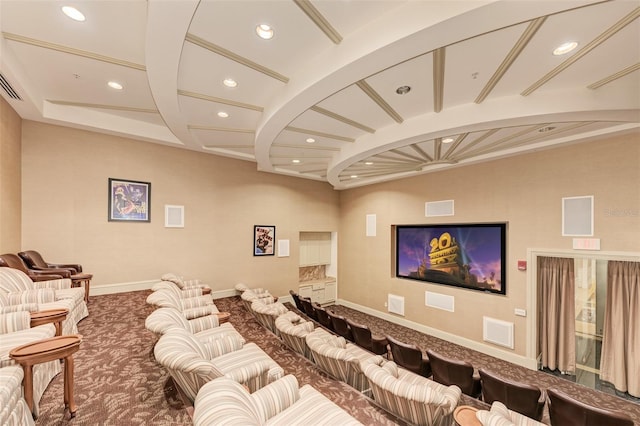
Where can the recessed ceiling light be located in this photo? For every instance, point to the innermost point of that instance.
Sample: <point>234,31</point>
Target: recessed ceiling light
<point>447,140</point>
<point>115,85</point>
<point>565,48</point>
<point>223,114</point>
<point>545,129</point>
<point>73,13</point>
<point>264,31</point>
<point>403,90</point>
<point>229,82</point>
<point>368,163</point>
<point>354,176</point>
<point>295,161</point>
<point>310,140</point>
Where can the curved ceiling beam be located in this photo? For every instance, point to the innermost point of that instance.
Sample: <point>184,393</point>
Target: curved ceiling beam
<point>163,50</point>
<point>504,112</point>
<point>409,31</point>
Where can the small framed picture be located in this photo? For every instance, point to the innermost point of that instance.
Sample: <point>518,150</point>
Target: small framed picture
<point>129,201</point>
<point>264,238</point>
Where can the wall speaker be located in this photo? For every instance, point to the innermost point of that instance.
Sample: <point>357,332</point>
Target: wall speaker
<point>438,208</point>
<point>371,225</point>
<point>497,331</point>
<point>395,304</point>
<point>577,216</point>
<point>173,216</point>
<point>439,301</point>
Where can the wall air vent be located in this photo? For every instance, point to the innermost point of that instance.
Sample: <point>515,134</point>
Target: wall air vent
<point>10,91</point>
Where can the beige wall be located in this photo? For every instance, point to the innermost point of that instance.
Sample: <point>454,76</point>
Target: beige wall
<point>10,179</point>
<point>65,175</point>
<point>525,191</point>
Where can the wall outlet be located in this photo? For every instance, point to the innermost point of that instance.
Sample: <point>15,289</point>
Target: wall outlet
<point>521,312</point>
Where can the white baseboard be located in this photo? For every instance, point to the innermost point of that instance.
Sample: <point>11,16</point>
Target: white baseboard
<point>520,360</point>
<point>146,285</point>
<point>99,290</point>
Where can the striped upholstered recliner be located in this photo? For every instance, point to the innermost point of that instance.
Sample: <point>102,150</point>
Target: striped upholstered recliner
<point>192,363</point>
<point>225,402</point>
<point>293,332</point>
<point>13,408</point>
<point>17,288</point>
<point>339,358</point>
<point>191,307</point>
<point>266,314</point>
<point>501,415</point>
<point>414,398</point>
<point>185,284</point>
<point>203,328</point>
<point>15,330</point>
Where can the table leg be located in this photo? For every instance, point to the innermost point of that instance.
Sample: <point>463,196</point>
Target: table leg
<point>58,325</point>
<point>68,386</point>
<point>28,386</point>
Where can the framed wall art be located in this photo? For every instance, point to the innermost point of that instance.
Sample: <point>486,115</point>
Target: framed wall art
<point>129,201</point>
<point>264,238</point>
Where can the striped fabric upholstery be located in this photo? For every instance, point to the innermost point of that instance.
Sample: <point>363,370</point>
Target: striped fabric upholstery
<point>188,362</point>
<point>192,307</point>
<point>44,295</point>
<point>224,402</point>
<point>13,408</point>
<point>13,280</point>
<point>69,325</point>
<point>42,373</point>
<point>249,296</point>
<point>266,314</point>
<point>340,359</point>
<point>204,328</point>
<point>181,282</point>
<point>500,415</point>
<point>410,396</point>
<point>182,293</point>
<point>293,331</point>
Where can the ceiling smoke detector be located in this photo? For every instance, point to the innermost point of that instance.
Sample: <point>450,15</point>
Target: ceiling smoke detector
<point>403,90</point>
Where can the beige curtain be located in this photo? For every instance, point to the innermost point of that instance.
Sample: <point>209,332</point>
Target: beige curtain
<point>556,313</point>
<point>620,363</point>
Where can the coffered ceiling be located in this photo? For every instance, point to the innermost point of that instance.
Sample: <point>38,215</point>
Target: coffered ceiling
<point>320,100</point>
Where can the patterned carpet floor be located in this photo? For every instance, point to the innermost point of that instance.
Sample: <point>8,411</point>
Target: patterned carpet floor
<point>118,382</point>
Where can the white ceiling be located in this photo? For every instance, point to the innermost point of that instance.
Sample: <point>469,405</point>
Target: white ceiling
<point>480,72</point>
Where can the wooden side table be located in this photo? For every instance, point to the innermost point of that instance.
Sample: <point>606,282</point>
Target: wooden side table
<point>223,317</point>
<point>465,415</point>
<point>78,279</point>
<point>53,348</point>
<point>55,316</point>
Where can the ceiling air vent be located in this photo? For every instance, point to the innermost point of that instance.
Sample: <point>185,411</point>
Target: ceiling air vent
<point>8,89</point>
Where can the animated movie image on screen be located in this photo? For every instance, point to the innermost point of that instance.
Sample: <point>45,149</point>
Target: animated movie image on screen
<point>470,256</point>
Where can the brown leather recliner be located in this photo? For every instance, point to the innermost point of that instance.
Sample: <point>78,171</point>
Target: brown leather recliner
<point>10,260</point>
<point>524,398</point>
<point>34,260</point>
<point>323,316</point>
<point>450,371</point>
<point>340,326</point>
<point>308,308</point>
<point>296,300</point>
<point>367,340</point>
<point>567,411</point>
<point>410,357</point>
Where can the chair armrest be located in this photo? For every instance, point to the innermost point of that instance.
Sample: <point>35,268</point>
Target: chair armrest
<point>196,302</point>
<point>223,345</point>
<point>277,396</point>
<point>202,311</point>
<point>76,267</point>
<point>42,295</point>
<point>55,284</point>
<point>248,372</point>
<point>190,292</point>
<point>63,273</point>
<point>29,307</point>
<point>203,323</point>
<point>15,321</point>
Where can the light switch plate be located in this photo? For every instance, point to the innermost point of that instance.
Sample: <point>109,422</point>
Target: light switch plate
<point>521,312</point>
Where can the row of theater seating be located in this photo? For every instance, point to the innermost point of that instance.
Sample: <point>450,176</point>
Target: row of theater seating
<point>20,298</point>
<point>509,397</point>
<point>228,380</point>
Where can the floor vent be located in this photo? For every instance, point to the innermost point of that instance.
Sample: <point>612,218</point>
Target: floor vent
<point>395,304</point>
<point>10,91</point>
<point>497,332</point>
